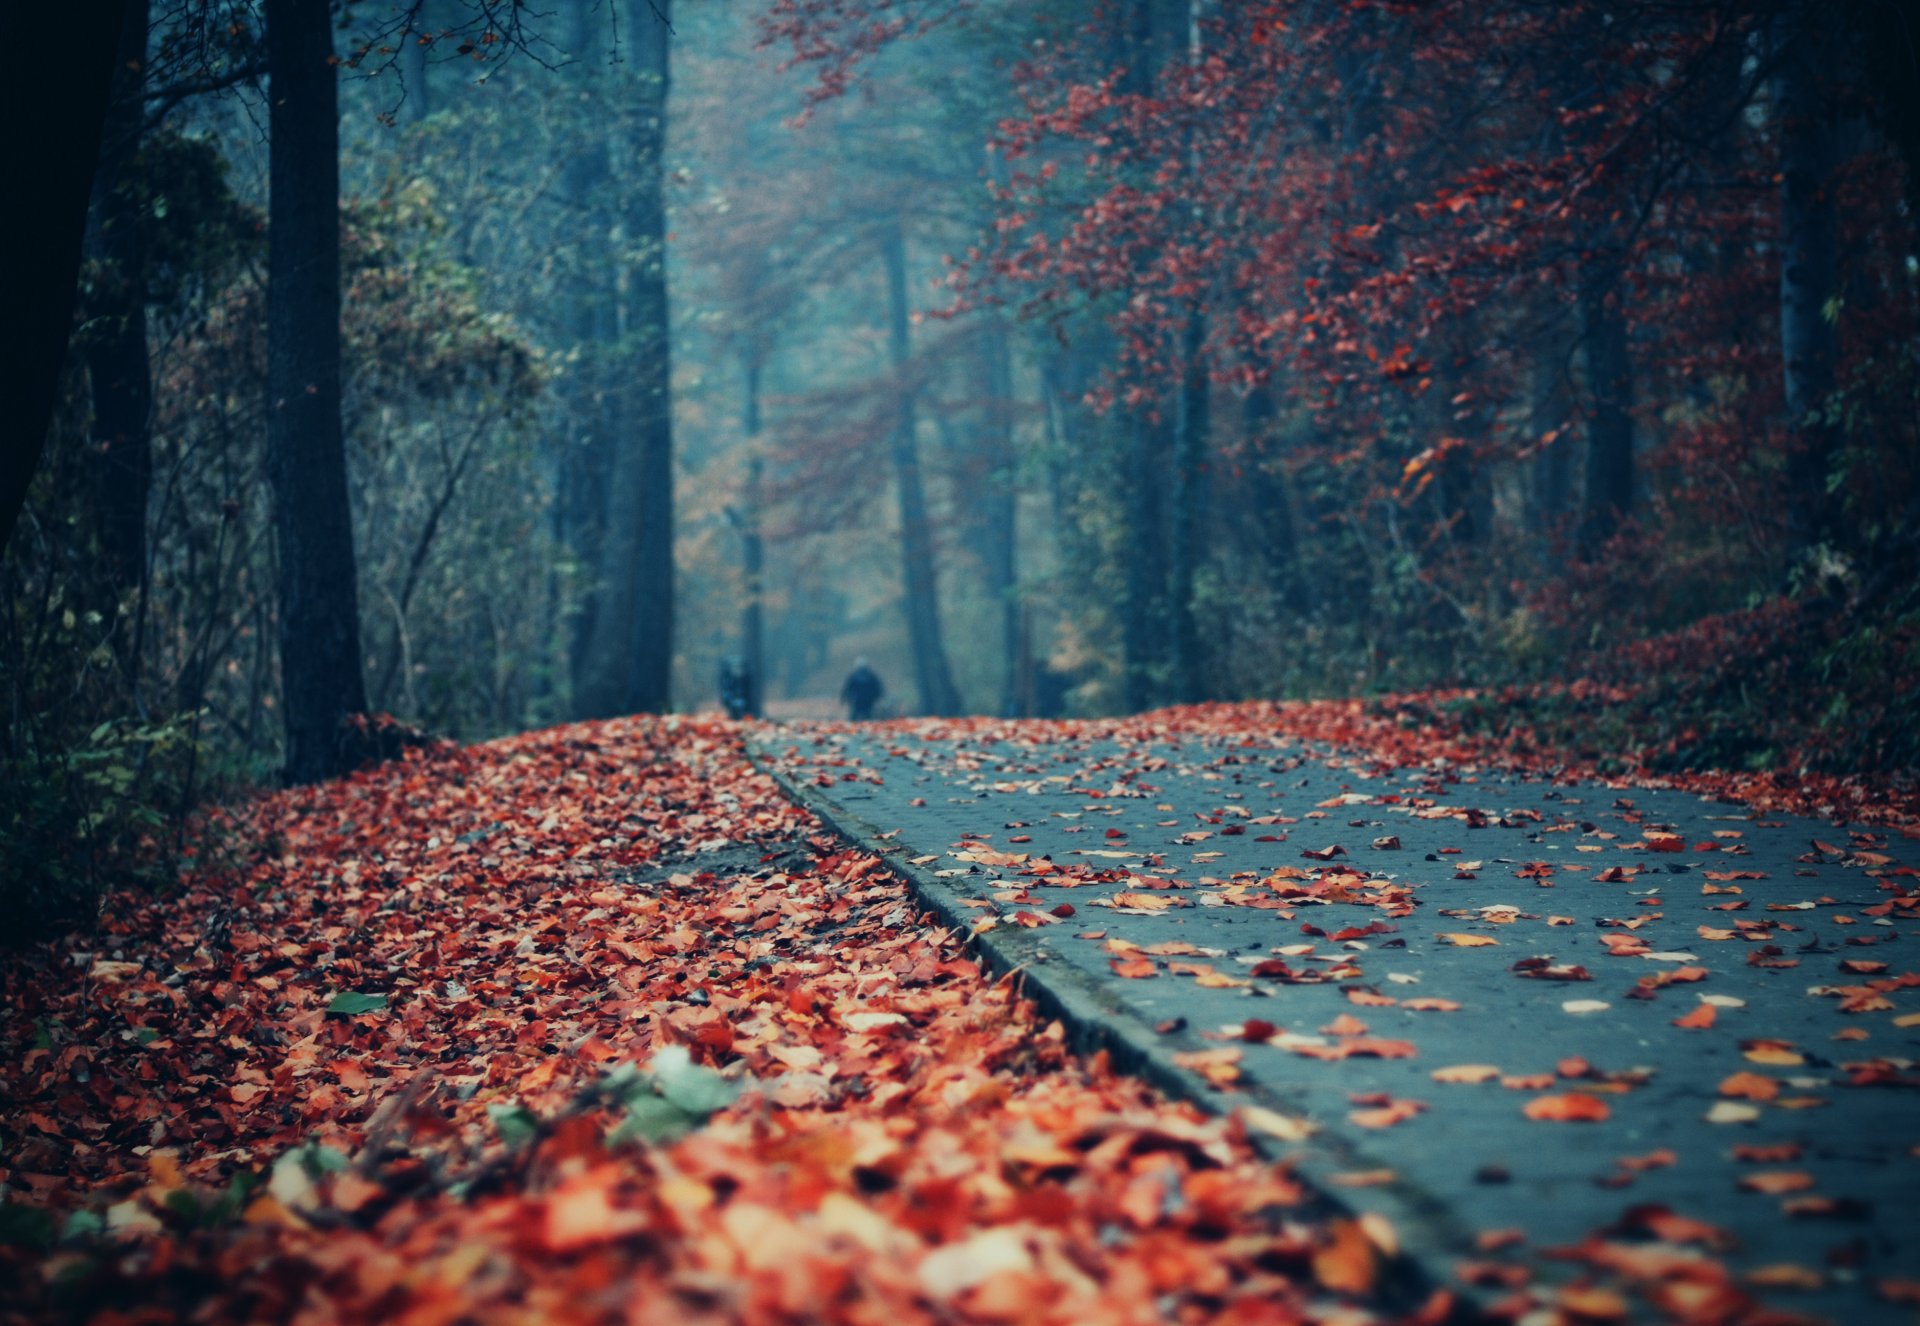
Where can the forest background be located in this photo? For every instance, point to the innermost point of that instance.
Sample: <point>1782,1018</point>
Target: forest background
<point>1549,367</point>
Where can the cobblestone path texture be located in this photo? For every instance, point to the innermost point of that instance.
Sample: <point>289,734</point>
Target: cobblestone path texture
<point>1542,1028</point>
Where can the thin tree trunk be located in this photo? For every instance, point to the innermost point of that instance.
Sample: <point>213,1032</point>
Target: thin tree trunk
<point>320,664</point>
<point>933,679</point>
<point>753,631</point>
<point>1143,609</point>
<point>1603,344</point>
<point>647,369</point>
<point>56,72</point>
<point>119,374</point>
<point>1809,269</point>
<point>415,70</point>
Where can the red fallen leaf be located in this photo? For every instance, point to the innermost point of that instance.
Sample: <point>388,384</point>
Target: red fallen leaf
<point>1545,969</point>
<point>1345,1262</point>
<point>1389,1115</point>
<point>1862,967</point>
<point>1219,1067</point>
<point>1116,833</point>
<point>1573,1107</point>
<point>1699,1020</point>
<point>1323,853</point>
<point>1750,1086</point>
<point>1370,998</point>
<point>580,1214</point>
<point>1624,946</point>
<point>1664,1224</point>
<point>1588,1303</point>
<point>1663,1158</point>
<point>1064,910</point>
<point>1614,875</point>
<point>1664,842</point>
<point>1254,1029</point>
<point>1527,1081</point>
<point>1776,1182</point>
<point>1134,969</point>
<point>1775,1153</point>
<point>1574,1066</point>
<point>1898,1289</point>
<point>1272,967</point>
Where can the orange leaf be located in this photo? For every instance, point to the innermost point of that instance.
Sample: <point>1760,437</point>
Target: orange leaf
<point>1573,1107</point>
<point>1774,1182</point>
<point>1468,941</point>
<point>1345,1263</point>
<point>1750,1086</point>
<point>1699,1020</point>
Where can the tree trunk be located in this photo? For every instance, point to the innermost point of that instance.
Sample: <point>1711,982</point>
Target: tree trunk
<point>753,630</point>
<point>586,468</point>
<point>1809,268</point>
<point>647,367</point>
<point>56,71</point>
<point>1547,414</point>
<point>932,677</point>
<point>1143,609</point>
<point>415,71</point>
<point>320,665</point>
<point>120,377</point>
<point>1603,345</point>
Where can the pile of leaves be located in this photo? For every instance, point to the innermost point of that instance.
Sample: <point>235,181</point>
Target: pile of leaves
<point>1812,682</point>
<point>592,1025</point>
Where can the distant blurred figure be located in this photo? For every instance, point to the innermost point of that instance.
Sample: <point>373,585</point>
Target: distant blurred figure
<point>734,691</point>
<point>861,691</point>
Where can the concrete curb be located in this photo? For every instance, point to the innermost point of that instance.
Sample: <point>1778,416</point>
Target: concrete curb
<point>1431,1236</point>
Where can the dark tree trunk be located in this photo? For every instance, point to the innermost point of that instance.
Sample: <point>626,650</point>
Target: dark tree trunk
<point>1603,345</point>
<point>753,629</point>
<point>587,466</point>
<point>120,378</point>
<point>647,367</point>
<point>1273,500</point>
<point>1809,267</point>
<point>1547,419</point>
<point>56,69</point>
<point>320,665</point>
<point>933,679</point>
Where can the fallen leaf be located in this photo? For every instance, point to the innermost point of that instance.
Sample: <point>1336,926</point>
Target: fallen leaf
<point>1573,1107</point>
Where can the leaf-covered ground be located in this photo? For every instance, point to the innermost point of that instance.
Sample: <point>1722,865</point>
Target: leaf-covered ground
<point>591,1025</point>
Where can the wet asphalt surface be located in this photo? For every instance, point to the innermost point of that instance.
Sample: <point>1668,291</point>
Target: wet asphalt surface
<point>1803,1171</point>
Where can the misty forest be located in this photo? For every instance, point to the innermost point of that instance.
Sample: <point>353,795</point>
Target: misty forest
<point>497,429</point>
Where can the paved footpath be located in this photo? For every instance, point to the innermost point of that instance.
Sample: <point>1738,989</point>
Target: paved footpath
<point>1626,1028</point>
